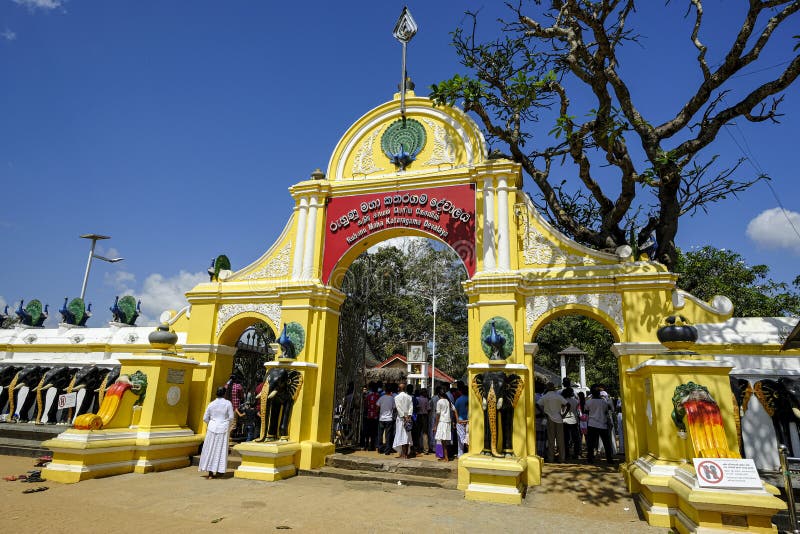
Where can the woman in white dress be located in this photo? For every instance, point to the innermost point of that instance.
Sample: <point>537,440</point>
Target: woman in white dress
<point>218,416</point>
<point>443,423</point>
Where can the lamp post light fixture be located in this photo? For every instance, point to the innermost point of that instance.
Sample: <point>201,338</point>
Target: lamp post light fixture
<point>95,238</point>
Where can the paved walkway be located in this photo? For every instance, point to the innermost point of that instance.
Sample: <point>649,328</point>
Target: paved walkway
<point>572,499</point>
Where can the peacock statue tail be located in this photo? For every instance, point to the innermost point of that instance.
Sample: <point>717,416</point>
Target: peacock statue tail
<point>220,263</point>
<point>32,314</point>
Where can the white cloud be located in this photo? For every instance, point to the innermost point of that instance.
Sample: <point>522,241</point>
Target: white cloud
<point>44,5</point>
<point>772,229</point>
<point>8,35</point>
<point>158,293</point>
<point>120,281</point>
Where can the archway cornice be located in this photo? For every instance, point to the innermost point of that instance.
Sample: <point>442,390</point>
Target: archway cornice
<point>321,188</point>
<point>593,280</point>
<point>492,283</point>
<point>446,178</point>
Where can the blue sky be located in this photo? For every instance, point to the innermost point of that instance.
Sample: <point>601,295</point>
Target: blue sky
<point>177,127</point>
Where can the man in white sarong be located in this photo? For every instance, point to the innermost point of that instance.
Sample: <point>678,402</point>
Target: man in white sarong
<point>404,405</point>
<point>219,416</point>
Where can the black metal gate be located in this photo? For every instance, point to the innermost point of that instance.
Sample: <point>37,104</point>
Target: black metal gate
<point>350,351</point>
<point>252,351</point>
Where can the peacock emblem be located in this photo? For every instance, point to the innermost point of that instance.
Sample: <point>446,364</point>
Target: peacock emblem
<point>220,263</point>
<point>496,342</point>
<point>32,314</point>
<point>75,313</point>
<point>126,310</point>
<point>402,141</point>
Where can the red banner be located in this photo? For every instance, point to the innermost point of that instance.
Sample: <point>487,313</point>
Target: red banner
<point>445,213</point>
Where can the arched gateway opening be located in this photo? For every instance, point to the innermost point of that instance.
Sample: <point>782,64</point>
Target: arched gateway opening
<point>388,331</point>
<point>575,355</point>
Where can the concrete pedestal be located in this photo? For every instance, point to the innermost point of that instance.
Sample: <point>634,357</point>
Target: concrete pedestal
<point>270,461</point>
<point>495,479</point>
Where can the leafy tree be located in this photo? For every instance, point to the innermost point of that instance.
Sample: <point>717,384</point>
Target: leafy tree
<point>710,271</point>
<point>586,334</point>
<point>387,303</point>
<point>436,272</point>
<point>560,60</point>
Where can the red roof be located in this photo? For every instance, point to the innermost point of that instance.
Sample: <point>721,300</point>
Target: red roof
<point>439,375</point>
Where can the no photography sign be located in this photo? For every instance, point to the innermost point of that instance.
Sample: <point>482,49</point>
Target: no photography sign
<point>726,473</point>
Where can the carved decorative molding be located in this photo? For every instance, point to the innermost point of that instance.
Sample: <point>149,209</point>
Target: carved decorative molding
<point>228,311</point>
<point>277,267</point>
<point>364,163</point>
<point>444,153</point>
<point>608,303</point>
<point>539,250</point>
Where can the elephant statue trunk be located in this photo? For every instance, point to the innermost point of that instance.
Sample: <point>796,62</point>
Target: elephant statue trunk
<point>491,406</point>
<point>12,386</point>
<point>39,403</point>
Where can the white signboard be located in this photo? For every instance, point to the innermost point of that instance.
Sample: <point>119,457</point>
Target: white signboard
<point>416,353</point>
<point>727,473</point>
<point>68,400</point>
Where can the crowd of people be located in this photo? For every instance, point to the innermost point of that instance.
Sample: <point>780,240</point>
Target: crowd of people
<point>568,424</point>
<point>398,418</point>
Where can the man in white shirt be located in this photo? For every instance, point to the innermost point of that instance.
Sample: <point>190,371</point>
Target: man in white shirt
<point>405,409</point>
<point>554,405</point>
<point>386,422</point>
<point>572,434</point>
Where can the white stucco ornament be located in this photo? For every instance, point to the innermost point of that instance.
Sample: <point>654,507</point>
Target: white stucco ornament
<point>227,311</point>
<point>608,303</point>
<point>277,267</point>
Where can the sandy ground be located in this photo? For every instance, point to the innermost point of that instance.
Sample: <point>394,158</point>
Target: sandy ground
<point>572,499</point>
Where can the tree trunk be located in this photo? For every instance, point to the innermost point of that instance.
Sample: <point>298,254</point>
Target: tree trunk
<point>667,227</point>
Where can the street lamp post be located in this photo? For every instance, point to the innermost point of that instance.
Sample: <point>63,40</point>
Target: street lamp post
<point>95,238</point>
<point>434,300</point>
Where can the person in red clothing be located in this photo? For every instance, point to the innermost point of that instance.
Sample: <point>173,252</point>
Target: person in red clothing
<point>234,392</point>
<point>371,418</point>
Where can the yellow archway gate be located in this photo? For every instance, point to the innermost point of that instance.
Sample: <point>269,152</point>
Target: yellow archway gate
<point>520,268</point>
<point>427,173</point>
